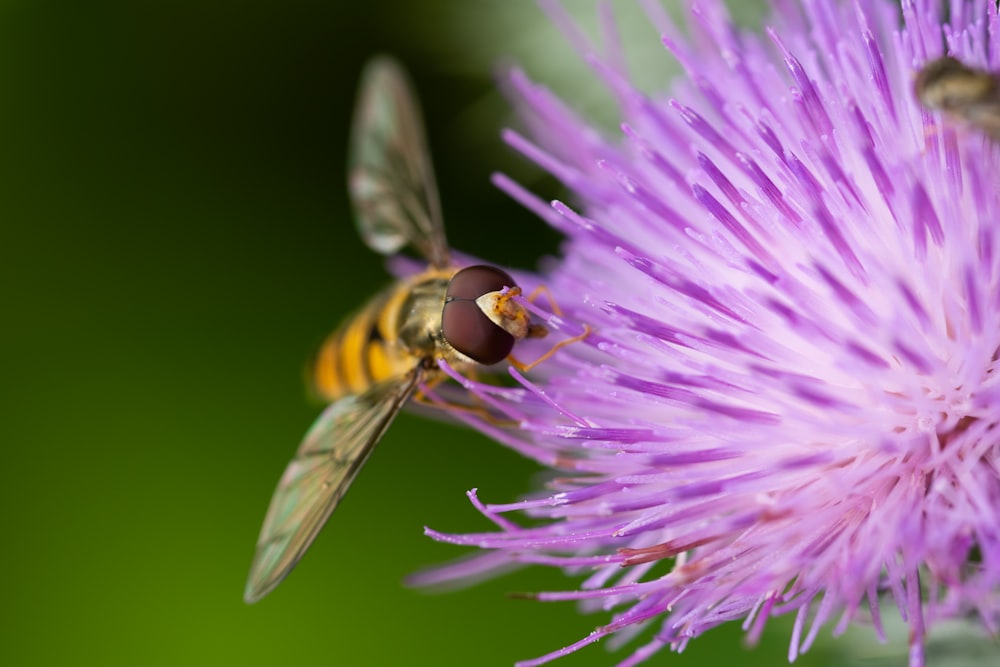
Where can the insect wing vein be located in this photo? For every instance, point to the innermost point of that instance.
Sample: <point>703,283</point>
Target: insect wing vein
<point>329,458</point>
<point>390,177</point>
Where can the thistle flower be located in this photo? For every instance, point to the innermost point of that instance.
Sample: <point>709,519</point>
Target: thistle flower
<point>788,403</point>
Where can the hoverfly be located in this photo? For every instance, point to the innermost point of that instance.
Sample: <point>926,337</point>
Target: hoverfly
<point>966,93</point>
<point>376,360</point>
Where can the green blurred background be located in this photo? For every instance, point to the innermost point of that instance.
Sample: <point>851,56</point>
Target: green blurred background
<point>175,241</point>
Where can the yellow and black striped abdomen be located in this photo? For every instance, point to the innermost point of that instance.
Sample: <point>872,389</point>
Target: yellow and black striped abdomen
<point>364,349</point>
<point>399,328</point>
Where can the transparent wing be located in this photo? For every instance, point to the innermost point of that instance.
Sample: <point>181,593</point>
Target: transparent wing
<point>390,177</point>
<point>328,460</point>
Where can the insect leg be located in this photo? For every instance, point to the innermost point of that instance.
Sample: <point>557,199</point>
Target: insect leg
<point>523,367</point>
<point>476,408</point>
<point>542,289</point>
<point>540,331</point>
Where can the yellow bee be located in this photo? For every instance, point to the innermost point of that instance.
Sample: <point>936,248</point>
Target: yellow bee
<point>376,360</point>
<point>966,93</point>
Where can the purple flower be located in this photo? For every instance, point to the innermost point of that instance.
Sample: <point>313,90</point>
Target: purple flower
<point>789,402</point>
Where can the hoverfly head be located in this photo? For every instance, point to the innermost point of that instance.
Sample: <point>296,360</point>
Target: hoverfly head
<point>481,319</point>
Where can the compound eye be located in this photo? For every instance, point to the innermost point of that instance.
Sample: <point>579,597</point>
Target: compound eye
<point>470,332</point>
<point>465,326</point>
<point>474,281</point>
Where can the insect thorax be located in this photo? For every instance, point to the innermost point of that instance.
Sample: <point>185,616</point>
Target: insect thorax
<point>420,317</point>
